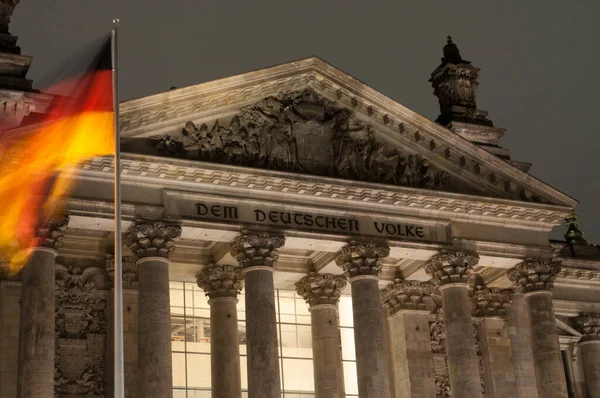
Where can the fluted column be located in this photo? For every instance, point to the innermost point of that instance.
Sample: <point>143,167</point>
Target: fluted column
<point>451,269</point>
<point>535,278</point>
<point>589,345</point>
<point>257,254</point>
<point>37,322</point>
<point>152,242</point>
<point>520,342</point>
<point>222,283</point>
<point>409,304</point>
<point>362,262</point>
<point>491,307</point>
<point>322,293</point>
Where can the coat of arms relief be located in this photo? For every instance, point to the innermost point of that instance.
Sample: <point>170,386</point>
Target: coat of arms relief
<point>301,131</point>
<point>81,330</point>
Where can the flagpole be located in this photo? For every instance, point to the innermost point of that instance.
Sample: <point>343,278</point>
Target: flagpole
<point>118,272</point>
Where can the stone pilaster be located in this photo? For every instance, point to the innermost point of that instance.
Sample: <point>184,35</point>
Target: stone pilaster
<point>362,262</point>
<point>589,325</point>
<point>152,242</point>
<point>409,304</point>
<point>535,278</point>
<point>37,316</point>
<point>322,293</point>
<point>257,254</point>
<point>492,306</point>
<point>451,270</point>
<point>222,283</point>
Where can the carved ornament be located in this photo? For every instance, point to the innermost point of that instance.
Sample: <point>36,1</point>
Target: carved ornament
<point>437,333</point>
<point>130,270</point>
<point>253,249</point>
<point>51,235</point>
<point>7,7</point>
<point>152,238</point>
<point>442,385</point>
<point>301,131</point>
<point>491,301</point>
<point>319,289</point>
<point>220,280</point>
<point>589,326</point>
<point>535,274</point>
<point>408,295</point>
<point>360,259</point>
<point>81,331</point>
<point>449,266</point>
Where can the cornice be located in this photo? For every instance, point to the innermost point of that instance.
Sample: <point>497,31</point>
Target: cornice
<point>323,191</point>
<point>149,116</point>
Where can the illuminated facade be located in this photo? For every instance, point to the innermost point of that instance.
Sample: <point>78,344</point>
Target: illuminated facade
<point>293,232</point>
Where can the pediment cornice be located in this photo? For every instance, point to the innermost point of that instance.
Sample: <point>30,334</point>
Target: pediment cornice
<point>228,180</point>
<point>395,124</point>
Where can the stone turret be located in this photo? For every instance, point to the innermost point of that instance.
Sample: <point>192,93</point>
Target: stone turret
<point>455,84</point>
<point>17,96</point>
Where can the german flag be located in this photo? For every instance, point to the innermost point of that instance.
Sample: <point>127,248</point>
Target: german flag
<point>34,176</point>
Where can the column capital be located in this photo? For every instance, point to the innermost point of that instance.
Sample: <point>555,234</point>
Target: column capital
<point>535,274</point>
<point>220,280</point>
<point>408,295</point>
<point>130,270</point>
<point>451,266</point>
<point>589,326</point>
<point>362,259</point>
<point>152,238</point>
<point>317,289</point>
<point>51,235</point>
<point>253,249</point>
<point>492,301</point>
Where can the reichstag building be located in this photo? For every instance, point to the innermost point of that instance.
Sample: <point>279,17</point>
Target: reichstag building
<point>292,232</point>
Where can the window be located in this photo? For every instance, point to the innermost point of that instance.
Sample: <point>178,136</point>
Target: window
<point>190,339</point>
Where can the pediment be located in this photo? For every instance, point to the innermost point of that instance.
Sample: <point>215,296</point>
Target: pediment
<point>308,117</point>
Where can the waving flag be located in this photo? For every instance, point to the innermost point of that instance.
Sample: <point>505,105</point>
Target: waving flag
<point>33,183</point>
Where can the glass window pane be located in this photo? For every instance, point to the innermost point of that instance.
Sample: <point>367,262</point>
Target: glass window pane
<point>345,310</point>
<point>198,370</point>
<point>350,379</point>
<point>178,370</point>
<point>298,376</point>
<point>347,336</point>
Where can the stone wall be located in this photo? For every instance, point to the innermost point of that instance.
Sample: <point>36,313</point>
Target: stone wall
<point>10,295</point>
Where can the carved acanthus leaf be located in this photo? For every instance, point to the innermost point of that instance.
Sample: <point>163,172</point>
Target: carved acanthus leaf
<point>51,234</point>
<point>220,280</point>
<point>449,266</point>
<point>437,332</point>
<point>152,238</point>
<point>359,259</point>
<point>491,301</point>
<point>408,295</point>
<point>589,326</point>
<point>535,274</point>
<point>257,248</point>
<point>319,289</point>
<point>130,270</point>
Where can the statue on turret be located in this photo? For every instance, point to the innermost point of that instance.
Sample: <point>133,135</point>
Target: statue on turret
<point>7,8</point>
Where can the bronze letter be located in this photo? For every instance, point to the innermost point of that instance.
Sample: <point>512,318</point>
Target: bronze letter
<point>260,215</point>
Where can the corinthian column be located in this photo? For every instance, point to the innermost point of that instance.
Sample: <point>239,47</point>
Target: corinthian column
<point>491,307</point>
<point>409,304</point>
<point>362,262</point>
<point>37,323</point>
<point>451,269</point>
<point>589,325</point>
<point>152,243</point>
<point>536,278</point>
<point>322,293</point>
<point>257,253</point>
<point>222,283</point>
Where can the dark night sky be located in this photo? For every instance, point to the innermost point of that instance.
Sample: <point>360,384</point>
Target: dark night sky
<point>539,60</point>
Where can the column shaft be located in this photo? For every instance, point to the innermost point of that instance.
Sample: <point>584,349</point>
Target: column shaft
<point>463,363</point>
<point>412,358</point>
<point>499,375</point>
<point>369,339</point>
<point>590,354</point>
<point>327,355</point>
<point>37,324</point>
<point>549,371</point>
<point>224,348</point>
<point>154,331</point>
<point>520,341</point>
<point>261,334</point>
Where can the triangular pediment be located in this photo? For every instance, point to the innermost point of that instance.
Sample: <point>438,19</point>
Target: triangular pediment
<point>311,118</point>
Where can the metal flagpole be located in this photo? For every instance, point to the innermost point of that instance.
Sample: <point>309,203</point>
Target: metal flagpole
<point>118,284</point>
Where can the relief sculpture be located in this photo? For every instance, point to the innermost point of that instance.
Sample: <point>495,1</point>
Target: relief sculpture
<point>301,131</point>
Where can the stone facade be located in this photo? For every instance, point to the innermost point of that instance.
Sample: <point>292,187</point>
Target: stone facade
<point>301,177</point>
